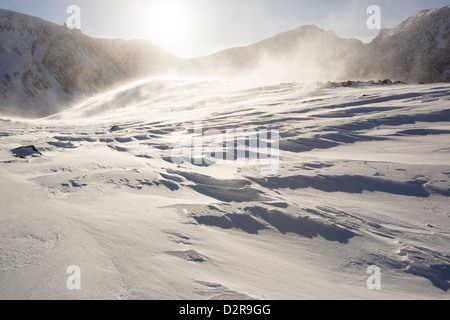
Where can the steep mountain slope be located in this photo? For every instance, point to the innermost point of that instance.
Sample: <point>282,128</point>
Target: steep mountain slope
<point>44,66</point>
<point>417,50</point>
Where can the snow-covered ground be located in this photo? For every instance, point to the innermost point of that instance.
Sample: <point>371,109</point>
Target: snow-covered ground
<point>363,179</point>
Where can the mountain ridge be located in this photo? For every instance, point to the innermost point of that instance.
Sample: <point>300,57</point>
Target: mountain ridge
<point>282,57</point>
<point>45,67</point>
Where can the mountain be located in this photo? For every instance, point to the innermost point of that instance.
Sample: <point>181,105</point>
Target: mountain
<point>307,53</point>
<point>44,66</point>
<point>417,50</point>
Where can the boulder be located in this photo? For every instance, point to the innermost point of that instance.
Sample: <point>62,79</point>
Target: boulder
<point>23,152</point>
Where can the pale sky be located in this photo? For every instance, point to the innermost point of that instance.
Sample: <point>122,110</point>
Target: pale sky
<point>189,28</point>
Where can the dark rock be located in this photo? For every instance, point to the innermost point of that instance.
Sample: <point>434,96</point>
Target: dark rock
<point>347,84</point>
<point>25,151</point>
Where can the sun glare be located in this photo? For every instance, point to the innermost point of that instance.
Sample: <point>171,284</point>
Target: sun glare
<point>170,23</point>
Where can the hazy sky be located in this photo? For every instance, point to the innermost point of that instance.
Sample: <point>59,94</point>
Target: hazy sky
<point>188,28</point>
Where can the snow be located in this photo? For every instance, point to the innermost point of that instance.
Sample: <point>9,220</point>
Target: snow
<point>363,180</point>
<point>359,177</point>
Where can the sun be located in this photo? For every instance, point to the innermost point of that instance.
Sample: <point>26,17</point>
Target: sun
<point>170,22</point>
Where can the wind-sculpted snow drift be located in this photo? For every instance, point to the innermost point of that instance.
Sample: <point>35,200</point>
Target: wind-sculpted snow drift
<point>362,180</point>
